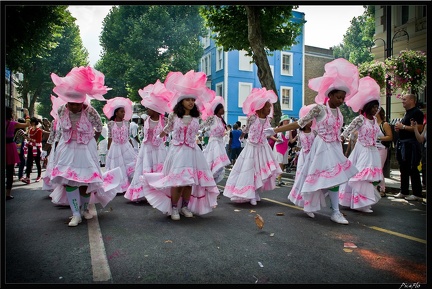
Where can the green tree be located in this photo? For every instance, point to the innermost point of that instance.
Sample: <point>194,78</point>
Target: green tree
<point>259,30</point>
<point>70,52</point>
<point>29,31</point>
<point>142,43</point>
<point>358,38</point>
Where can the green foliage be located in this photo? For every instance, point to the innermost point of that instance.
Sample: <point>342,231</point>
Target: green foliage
<point>30,31</point>
<point>229,24</point>
<point>142,43</point>
<point>408,71</point>
<point>358,38</point>
<point>376,70</point>
<point>69,53</point>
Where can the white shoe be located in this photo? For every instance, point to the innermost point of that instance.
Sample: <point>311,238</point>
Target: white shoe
<point>413,198</point>
<point>364,209</point>
<point>86,214</point>
<point>175,214</point>
<point>185,212</point>
<point>75,221</point>
<point>338,218</point>
<point>310,214</point>
<point>400,195</point>
<point>253,202</point>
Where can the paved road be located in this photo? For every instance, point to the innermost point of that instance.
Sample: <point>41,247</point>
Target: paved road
<point>132,243</point>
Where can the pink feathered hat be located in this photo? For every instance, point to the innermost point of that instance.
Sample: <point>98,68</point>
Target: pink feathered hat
<point>257,99</point>
<point>56,103</point>
<point>305,110</point>
<point>368,90</point>
<point>116,102</point>
<point>156,97</point>
<point>210,107</point>
<point>339,74</point>
<point>190,85</point>
<point>80,82</point>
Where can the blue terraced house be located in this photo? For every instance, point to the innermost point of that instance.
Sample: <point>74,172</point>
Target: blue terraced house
<point>233,76</point>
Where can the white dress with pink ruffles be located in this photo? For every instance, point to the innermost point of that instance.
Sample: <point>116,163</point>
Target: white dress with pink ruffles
<point>215,152</point>
<point>305,142</point>
<point>184,165</point>
<point>256,168</point>
<point>76,161</point>
<point>151,157</point>
<point>121,153</point>
<point>327,167</point>
<point>360,191</point>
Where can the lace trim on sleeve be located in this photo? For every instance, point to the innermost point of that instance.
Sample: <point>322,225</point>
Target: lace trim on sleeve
<point>170,123</point>
<point>353,126</point>
<point>250,120</point>
<point>315,112</point>
<point>94,119</point>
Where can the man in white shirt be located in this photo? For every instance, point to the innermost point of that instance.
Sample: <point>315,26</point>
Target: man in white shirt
<point>133,132</point>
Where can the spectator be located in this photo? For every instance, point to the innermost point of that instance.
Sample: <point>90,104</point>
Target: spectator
<point>421,138</point>
<point>21,142</point>
<point>226,140</point>
<point>408,149</point>
<point>34,146</point>
<point>234,143</point>
<point>133,131</point>
<point>383,143</point>
<point>46,128</point>
<point>12,156</point>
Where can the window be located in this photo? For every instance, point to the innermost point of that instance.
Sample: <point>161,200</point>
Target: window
<point>219,89</point>
<point>245,62</point>
<point>286,98</point>
<point>286,63</point>
<point>244,91</point>
<point>219,59</point>
<point>206,64</point>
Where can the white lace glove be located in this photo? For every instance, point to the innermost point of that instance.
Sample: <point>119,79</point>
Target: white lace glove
<point>269,131</point>
<point>43,154</point>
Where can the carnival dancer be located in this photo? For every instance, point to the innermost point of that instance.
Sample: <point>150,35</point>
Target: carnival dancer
<point>327,167</point>
<point>76,164</point>
<point>121,154</point>
<point>256,168</point>
<point>360,192</point>
<point>215,125</point>
<point>186,180</point>
<point>152,152</point>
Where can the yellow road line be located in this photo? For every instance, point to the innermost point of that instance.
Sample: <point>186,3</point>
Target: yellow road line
<point>399,234</point>
<point>371,227</point>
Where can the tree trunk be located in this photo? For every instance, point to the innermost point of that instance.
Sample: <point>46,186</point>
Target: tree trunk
<point>260,57</point>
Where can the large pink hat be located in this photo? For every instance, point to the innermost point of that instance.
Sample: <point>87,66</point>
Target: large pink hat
<point>210,107</point>
<point>56,103</point>
<point>257,99</point>
<point>339,74</point>
<point>156,97</point>
<point>80,82</point>
<point>368,90</point>
<point>116,102</point>
<point>190,85</point>
<point>305,110</point>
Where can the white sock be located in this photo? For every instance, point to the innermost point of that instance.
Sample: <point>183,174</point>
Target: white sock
<point>334,200</point>
<point>85,201</point>
<point>73,198</point>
